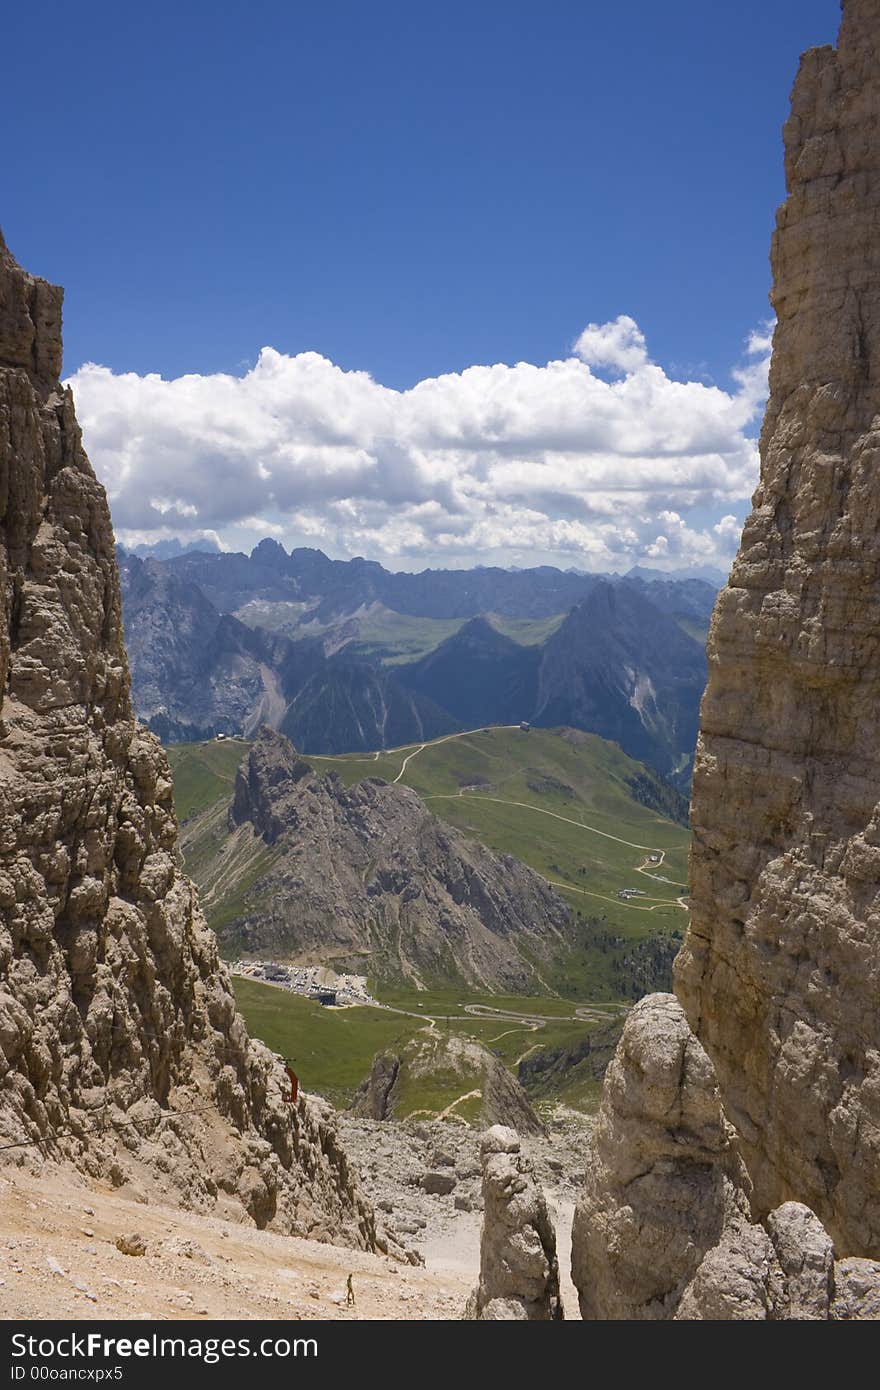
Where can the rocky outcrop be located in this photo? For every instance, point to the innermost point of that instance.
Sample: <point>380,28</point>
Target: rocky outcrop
<point>366,878</point>
<point>376,1095</point>
<point>519,1272</point>
<point>121,1051</point>
<point>780,970</point>
<point>663,1180</point>
<point>786,1272</point>
<point>663,1228</point>
<point>479,1087</point>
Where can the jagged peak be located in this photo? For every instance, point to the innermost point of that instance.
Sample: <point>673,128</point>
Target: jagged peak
<point>30,321</point>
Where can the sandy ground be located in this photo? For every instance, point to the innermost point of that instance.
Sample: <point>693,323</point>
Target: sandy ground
<point>58,1259</point>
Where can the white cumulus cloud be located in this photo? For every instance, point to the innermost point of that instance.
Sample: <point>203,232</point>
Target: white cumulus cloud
<point>619,344</point>
<point>520,464</point>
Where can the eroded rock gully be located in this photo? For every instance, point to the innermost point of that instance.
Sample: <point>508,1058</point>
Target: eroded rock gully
<point>120,1046</point>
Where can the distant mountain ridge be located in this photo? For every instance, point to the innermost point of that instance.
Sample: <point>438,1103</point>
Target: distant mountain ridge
<point>347,656</point>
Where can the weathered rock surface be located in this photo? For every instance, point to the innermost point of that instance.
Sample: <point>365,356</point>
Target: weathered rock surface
<point>780,971</point>
<point>785,1272</point>
<point>366,878</point>
<point>663,1180</point>
<point>663,1228</point>
<point>806,1258</point>
<point>390,1159</point>
<point>856,1291</point>
<point>120,1048</point>
<point>737,1281</point>
<point>375,1097</point>
<point>519,1272</point>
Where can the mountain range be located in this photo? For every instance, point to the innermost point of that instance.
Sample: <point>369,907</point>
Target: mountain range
<point>345,656</point>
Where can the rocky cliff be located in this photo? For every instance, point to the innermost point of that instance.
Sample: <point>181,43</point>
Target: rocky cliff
<point>663,1229</point>
<point>365,877</point>
<point>780,970</point>
<point>120,1048</point>
<point>735,1169</point>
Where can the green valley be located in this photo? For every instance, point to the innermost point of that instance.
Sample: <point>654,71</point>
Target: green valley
<point>332,1049</point>
<point>565,803</point>
<point>590,820</point>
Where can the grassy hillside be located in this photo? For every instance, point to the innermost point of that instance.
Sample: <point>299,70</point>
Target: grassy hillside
<point>569,804</point>
<point>204,773</point>
<point>563,802</point>
<point>331,1049</point>
<point>204,780</point>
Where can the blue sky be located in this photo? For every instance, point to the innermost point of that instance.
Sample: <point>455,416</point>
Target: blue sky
<point>406,189</point>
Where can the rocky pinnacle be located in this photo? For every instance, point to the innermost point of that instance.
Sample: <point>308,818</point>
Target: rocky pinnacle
<point>780,970</point>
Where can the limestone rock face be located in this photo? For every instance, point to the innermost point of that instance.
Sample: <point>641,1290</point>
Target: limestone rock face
<point>120,1047</point>
<point>663,1229</point>
<point>806,1258</point>
<point>786,1272</point>
<point>780,970</point>
<point>519,1271</point>
<point>663,1181</point>
<point>856,1291</point>
<point>737,1281</point>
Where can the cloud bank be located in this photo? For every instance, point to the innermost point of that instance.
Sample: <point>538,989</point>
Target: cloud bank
<point>598,460</point>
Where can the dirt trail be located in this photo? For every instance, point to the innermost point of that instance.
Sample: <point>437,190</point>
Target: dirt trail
<point>453,1105</point>
<point>592,829</point>
<point>540,810</point>
<point>432,743</point>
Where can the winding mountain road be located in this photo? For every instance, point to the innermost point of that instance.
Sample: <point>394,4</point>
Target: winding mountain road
<point>606,835</point>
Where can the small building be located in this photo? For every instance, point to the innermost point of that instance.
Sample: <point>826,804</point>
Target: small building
<point>326,996</point>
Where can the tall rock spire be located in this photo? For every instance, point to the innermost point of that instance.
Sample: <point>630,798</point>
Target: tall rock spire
<point>780,969</point>
<point>120,1048</point>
